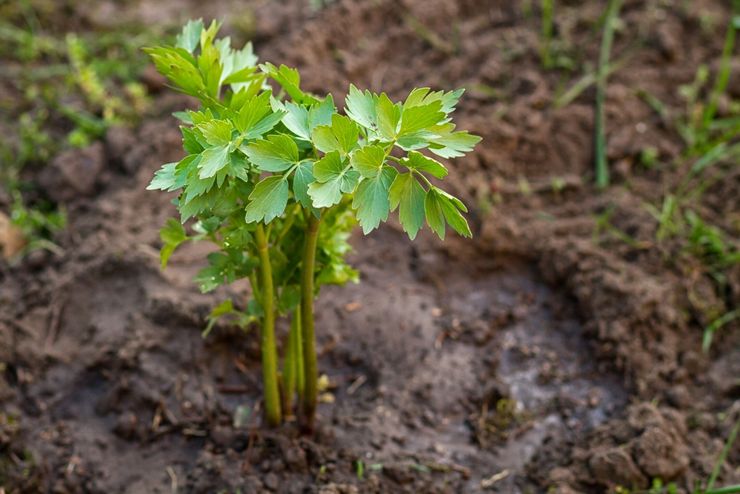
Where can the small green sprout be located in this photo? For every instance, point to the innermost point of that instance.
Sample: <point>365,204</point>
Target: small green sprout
<point>279,180</point>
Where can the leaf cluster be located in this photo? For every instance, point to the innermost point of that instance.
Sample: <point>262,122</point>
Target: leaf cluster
<point>260,157</point>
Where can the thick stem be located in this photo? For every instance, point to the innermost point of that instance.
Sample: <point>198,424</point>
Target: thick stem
<point>292,364</point>
<point>269,351</point>
<point>311,373</point>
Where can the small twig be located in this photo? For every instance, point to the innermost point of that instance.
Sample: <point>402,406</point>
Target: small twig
<point>52,332</point>
<point>356,384</point>
<point>173,479</point>
<point>490,481</point>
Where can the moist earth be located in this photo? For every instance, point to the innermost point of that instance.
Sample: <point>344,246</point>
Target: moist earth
<point>544,355</point>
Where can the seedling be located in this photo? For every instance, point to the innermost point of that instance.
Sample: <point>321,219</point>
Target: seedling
<point>278,181</point>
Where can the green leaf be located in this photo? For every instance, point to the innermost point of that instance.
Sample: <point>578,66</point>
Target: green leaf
<point>256,116</point>
<point>290,80</point>
<point>434,214</point>
<point>453,144</point>
<point>212,160</point>
<point>418,162</point>
<point>439,207</point>
<point>301,179</point>
<point>409,194</point>
<point>422,96</point>
<point>321,113</point>
<point>341,136</point>
<point>360,107</point>
<point>216,132</point>
<point>172,235</point>
<point>190,141</point>
<point>333,176</point>
<point>267,200</point>
<point>451,207</point>
<point>368,160</point>
<point>189,38</point>
<point>371,199</point>
<point>389,114</point>
<point>164,178</point>
<point>224,308</point>
<point>296,120</point>
<point>417,118</point>
<point>277,153</point>
<point>265,125</point>
<point>179,67</point>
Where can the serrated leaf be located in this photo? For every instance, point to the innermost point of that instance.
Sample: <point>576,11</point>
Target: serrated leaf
<point>172,235</point>
<point>423,96</point>
<point>419,162</point>
<point>368,160</point>
<point>452,215</point>
<point>439,207</point>
<point>388,115</point>
<point>190,141</point>
<point>302,120</point>
<point>164,178</point>
<point>421,117</point>
<point>321,113</point>
<point>224,308</point>
<point>302,178</point>
<point>267,200</point>
<point>256,116</point>
<point>212,160</point>
<point>433,212</point>
<point>360,107</point>
<point>407,193</point>
<point>183,116</point>
<point>296,120</point>
<point>341,136</point>
<point>265,125</point>
<point>179,67</point>
<point>216,132</point>
<point>371,199</point>
<point>189,38</point>
<point>333,177</point>
<point>454,144</point>
<point>290,80</point>
<point>277,153</point>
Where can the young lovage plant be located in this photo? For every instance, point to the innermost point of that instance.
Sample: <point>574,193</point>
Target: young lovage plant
<point>278,181</point>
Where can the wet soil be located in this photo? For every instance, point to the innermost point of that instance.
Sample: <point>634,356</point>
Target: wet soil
<point>545,355</point>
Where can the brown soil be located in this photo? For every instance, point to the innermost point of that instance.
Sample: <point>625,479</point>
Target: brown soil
<point>541,356</point>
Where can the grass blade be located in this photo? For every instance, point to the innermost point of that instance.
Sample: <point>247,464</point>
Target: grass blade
<point>602,167</point>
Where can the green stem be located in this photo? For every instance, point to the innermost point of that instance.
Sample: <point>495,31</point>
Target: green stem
<point>269,351</point>
<point>311,373</point>
<point>602,167</point>
<point>300,379</point>
<point>293,365</point>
